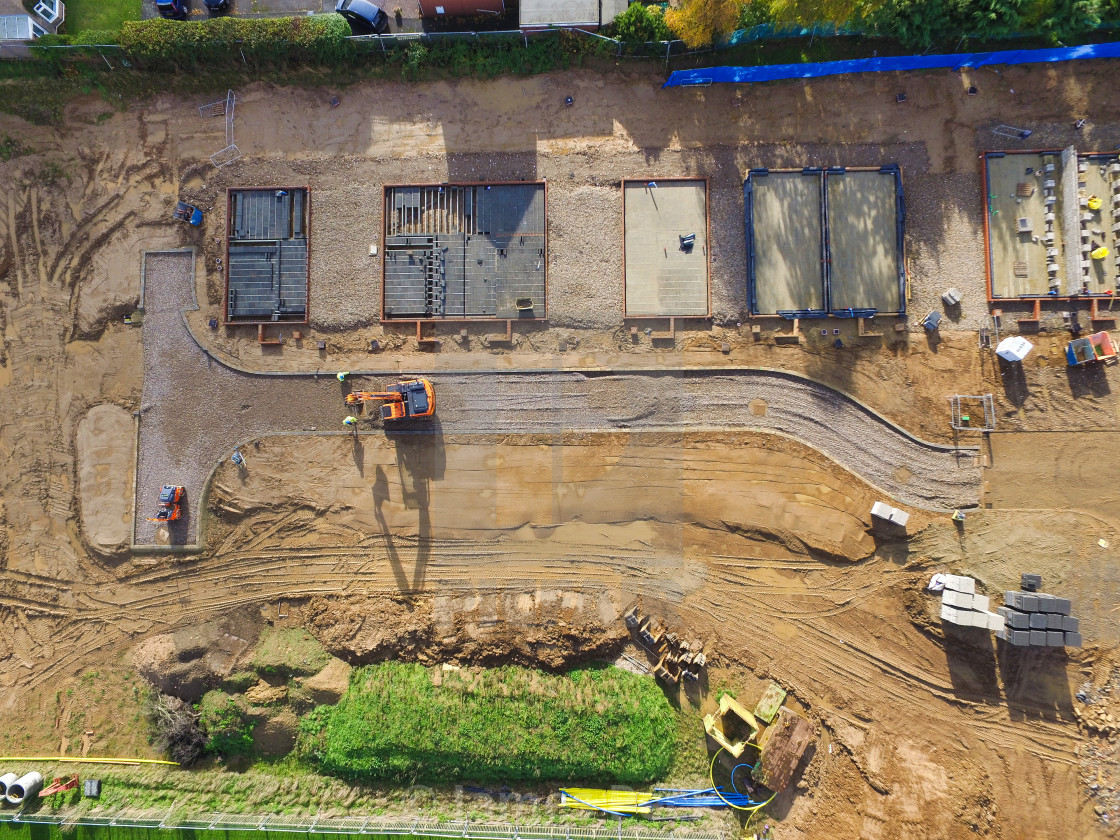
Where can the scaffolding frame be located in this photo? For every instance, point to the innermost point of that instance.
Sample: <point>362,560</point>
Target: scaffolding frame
<point>959,421</point>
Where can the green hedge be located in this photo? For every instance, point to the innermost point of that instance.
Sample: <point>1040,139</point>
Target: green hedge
<point>594,725</point>
<point>319,39</point>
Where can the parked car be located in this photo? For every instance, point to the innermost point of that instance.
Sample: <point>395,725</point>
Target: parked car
<point>364,17</point>
<point>173,9</point>
<point>215,7</point>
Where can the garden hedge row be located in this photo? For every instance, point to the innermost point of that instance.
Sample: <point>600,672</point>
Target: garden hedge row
<point>314,39</point>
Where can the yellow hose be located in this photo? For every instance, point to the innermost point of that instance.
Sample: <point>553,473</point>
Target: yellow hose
<point>61,758</point>
<point>715,787</point>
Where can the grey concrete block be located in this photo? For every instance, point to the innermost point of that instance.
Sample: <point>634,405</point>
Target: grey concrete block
<point>1029,603</point>
<point>1011,599</point>
<point>1003,611</point>
<point>1019,620</point>
<point>1063,606</point>
<point>1001,633</point>
<point>1038,638</point>
<point>1073,640</point>
<point>960,600</point>
<point>1038,621</point>
<point>1055,638</point>
<point>1071,624</point>
<point>1019,638</point>
<point>1054,621</point>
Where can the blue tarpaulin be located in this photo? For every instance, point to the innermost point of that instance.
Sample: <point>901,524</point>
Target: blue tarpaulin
<point>773,72</point>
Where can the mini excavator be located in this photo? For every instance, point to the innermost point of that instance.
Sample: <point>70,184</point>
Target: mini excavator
<point>401,400</point>
<point>169,503</point>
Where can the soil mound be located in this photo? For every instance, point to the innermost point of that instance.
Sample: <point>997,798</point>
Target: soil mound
<point>548,629</point>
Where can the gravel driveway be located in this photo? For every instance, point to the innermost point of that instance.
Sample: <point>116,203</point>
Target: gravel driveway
<point>194,411</point>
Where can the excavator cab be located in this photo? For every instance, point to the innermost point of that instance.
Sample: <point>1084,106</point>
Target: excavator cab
<point>401,400</point>
<point>169,508</point>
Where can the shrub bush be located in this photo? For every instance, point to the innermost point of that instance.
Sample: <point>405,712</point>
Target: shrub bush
<point>501,725</point>
<point>158,43</point>
<point>640,24</point>
<point>174,730</point>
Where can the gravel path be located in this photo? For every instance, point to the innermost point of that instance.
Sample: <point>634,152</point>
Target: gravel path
<point>908,469</point>
<point>194,411</point>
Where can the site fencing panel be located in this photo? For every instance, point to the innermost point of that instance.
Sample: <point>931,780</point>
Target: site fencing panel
<point>366,826</point>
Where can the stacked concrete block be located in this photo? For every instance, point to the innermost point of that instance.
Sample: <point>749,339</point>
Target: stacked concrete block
<point>1037,619</point>
<point>960,605</point>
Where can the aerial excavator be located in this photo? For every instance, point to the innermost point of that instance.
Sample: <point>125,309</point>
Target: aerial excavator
<point>170,498</point>
<point>401,400</point>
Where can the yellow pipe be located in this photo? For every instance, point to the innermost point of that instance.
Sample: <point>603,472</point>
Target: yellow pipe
<point>61,758</point>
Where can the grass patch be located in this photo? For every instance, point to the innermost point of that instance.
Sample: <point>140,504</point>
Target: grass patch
<point>82,15</point>
<point>289,653</point>
<point>11,147</point>
<point>508,724</point>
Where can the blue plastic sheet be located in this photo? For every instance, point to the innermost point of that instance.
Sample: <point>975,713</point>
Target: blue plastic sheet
<point>774,72</point>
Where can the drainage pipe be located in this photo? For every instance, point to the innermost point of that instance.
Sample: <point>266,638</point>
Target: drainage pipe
<point>25,787</point>
<point>6,782</point>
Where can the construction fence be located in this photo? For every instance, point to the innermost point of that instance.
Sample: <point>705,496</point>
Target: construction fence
<point>364,826</point>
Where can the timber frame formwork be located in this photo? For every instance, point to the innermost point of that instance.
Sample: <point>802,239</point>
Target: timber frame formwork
<point>672,319</point>
<point>261,323</point>
<point>1035,300</point>
<point>420,320</point>
<point>828,307</point>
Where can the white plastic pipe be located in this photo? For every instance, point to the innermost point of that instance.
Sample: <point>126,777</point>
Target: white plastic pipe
<point>6,782</point>
<point>24,787</point>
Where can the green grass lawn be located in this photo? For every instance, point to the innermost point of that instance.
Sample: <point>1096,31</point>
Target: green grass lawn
<point>595,724</point>
<point>82,15</point>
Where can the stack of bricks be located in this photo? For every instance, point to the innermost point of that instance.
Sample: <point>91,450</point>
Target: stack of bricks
<point>960,605</point>
<point>1036,619</point>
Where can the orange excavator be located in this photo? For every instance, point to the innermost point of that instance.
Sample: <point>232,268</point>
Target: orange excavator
<point>170,498</point>
<point>401,400</point>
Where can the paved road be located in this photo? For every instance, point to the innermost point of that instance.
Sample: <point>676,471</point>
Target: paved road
<point>195,410</point>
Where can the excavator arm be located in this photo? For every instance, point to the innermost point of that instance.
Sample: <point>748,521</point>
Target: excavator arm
<point>371,396</point>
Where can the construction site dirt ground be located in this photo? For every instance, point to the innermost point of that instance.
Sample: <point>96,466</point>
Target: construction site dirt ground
<point>755,542</point>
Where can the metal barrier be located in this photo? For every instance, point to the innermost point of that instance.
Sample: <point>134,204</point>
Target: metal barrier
<point>360,825</point>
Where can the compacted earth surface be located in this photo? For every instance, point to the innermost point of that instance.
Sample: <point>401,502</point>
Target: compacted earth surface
<point>574,470</point>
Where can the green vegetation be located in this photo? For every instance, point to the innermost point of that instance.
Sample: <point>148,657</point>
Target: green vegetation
<point>594,725</point>
<point>11,147</point>
<point>640,24</point>
<point>229,731</point>
<point>110,15</point>
<point>171,44</point>
<point>286,653</point>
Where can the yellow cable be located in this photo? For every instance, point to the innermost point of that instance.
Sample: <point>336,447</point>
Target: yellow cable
<point>61,758</point>
<point>715,787</point>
